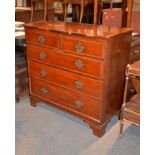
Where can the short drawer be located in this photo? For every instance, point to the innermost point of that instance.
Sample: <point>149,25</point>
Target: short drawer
<point>87,66</point>
<point>82,46</point>
<point>65,78</point>
<point>50,39</point>
<point>64,98</point>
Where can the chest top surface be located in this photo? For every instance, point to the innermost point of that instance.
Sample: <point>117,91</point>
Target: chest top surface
<point>88,30</point>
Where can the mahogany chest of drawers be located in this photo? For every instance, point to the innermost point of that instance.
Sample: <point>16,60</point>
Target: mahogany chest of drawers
<point>78,68</point>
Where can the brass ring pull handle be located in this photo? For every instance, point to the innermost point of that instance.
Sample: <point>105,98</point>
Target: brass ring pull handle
<point>43,73</point>
<point>79,47</point>
<point>79,104</point>
<point>79,64</point>
<point>44,90</point>
<point>41,39</point>
<point>79,84</point>
<point>42,56</point>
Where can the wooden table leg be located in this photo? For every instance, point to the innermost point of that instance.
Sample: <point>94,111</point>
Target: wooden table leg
<point>95,11</point>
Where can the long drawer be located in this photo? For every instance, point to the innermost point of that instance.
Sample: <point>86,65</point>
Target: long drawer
<point>65,98</point>
<point>64,60</point>
<point>67,79</point>
<point>80,45</point>
<point>44,38</point>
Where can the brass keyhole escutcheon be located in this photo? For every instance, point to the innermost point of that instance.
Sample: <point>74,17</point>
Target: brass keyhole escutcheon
<point>79,47</point>
<point>79,64</point>
<point>41,39</point>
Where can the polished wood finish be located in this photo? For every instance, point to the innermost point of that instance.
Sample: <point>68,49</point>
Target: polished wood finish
<point>54,57</point>
<point>82,72</point>
<point>130,110</point>
<point>77,83</point>
<point>90,48</point>
<point>66,99</point>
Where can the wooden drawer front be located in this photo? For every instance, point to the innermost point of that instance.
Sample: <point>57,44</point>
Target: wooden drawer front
<point>67,61</point>
<point>132,117</point>
<point>65,98</point>
<point>66,79</point>
<point>42,38</point>
<point>80,46</point>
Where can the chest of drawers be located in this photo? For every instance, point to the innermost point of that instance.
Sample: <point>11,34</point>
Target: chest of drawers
<point>78,68</point>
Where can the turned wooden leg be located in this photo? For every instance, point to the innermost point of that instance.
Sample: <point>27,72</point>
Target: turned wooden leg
<point>98,130</point>
<point>33,102</point>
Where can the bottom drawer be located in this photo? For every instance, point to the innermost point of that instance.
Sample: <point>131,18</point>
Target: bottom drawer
<point>66,99</point>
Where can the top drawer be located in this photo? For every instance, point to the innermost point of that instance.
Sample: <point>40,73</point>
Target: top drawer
<point>42,37</point>
<point>82,46</point>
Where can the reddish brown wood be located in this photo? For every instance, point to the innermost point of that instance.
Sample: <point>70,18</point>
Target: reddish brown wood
<point>66,99</point>
<point>82,4</point>
<point>86,31</point>
<point>89,47</point>
<point>98,130</point>
<point>69,80</point>
<point>105,55</point>
<point>56,57</point>
<point>42,38</point>
<point>33,101</point>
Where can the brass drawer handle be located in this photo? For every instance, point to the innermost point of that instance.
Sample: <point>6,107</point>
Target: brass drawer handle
<point>43,73</point>
<point>79,84</point>
<point>41,39</point>
<point>44,90</point>
<point>79,64</point>
<point>79,47</point>
<point>78,104</point>
<point>42,56</point>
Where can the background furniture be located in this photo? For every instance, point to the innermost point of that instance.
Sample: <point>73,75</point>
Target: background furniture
<point>109,5</point>
<point>78,68</point>
<point>54,12</point>
<point>23,14</point>
<point>21,78</point>
<point>38,5</point>
<point>131,109</point>
<point>82,4</point>
<point>126,10</point>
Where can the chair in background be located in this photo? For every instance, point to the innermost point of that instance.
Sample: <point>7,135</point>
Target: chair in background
<point>109,5</point>
<point>130,110</point>
<point>112,17</point>
<point>46,9</point>
<point>37,7</point>
<point>54,9</point>
<point>82,4</point>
